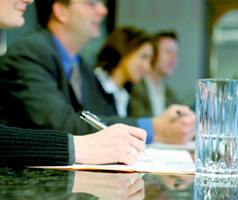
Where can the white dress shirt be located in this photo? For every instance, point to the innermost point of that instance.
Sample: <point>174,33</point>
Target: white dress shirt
<point>157,96</point>
<point>120,95</point>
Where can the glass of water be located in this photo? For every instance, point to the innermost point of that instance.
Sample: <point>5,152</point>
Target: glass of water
<point>216,152</point>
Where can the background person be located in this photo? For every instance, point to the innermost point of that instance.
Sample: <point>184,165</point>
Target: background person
<point>124,59</point>
<point>40,90</point>
<point>152,96</point>
<point>24,147</point>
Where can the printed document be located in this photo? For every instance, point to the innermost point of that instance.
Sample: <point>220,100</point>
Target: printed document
<point>151,160</point>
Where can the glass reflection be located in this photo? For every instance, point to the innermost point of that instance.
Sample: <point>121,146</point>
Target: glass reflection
<point>207,188</point>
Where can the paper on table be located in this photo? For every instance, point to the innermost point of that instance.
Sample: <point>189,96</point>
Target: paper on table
<point>155,161</point>
<point>190,146</point>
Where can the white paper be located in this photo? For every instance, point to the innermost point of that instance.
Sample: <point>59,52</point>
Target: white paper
<point>151,160</point>
<point>190,146</point>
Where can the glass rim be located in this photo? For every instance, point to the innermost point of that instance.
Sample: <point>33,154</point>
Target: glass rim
<point>217,80</point>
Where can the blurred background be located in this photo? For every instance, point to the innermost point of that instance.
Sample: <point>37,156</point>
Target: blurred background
<point>207,32</point>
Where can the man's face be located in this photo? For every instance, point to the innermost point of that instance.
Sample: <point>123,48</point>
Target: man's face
<point>166,61</point>
<point>11,12</point>
<point>85,17</point>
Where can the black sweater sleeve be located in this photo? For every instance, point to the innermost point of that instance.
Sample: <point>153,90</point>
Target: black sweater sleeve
<point>25,147</point>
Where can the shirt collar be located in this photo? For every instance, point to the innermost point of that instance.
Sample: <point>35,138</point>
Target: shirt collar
<point>106,81</point>
<point>66,60</point>
<point>121,96</point>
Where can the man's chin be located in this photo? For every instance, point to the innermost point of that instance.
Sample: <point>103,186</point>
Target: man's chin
<point>13,24</point>
<point>96,33</point>
<point>92,37</point>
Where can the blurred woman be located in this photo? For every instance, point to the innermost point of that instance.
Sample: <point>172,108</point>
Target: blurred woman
<point>124,59</point>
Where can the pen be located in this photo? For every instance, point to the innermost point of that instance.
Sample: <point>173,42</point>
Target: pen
<point>179,114</point>
<point>93,120</point>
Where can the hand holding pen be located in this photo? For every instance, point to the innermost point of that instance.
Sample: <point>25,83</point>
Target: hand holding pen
<point>179,114</point>
<point>175,126</point>
<point>118,143</point>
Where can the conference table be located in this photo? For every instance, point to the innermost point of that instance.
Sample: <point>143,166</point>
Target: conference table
<point>53,184</point>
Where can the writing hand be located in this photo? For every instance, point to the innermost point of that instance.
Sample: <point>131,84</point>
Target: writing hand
<point>180,131</point>
<point>116,144</point>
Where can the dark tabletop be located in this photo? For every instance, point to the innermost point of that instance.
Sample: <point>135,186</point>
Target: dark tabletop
<point>48,184</point>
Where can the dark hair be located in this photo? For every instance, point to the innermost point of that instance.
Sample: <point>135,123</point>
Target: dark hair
<point>44,10</point>
<point>121,42</point>
<point>170,34</point>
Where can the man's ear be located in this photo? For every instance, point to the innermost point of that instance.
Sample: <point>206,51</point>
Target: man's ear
<point>60,12</point>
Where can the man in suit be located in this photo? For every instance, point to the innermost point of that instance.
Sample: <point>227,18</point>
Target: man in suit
<point>152,96</point>
<point>41,94</point>
<point>36,76</point>
<point>27,147</point>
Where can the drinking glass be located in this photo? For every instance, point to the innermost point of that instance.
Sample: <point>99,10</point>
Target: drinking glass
<point>216,151</point>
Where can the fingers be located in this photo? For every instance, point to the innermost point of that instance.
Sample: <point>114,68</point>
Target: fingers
<point>138,144</point>
<point>131,156</point>
<point>132,179</point>
<point>137,141</point>
<point>134,137</point>
<point>125,143</point>
<point>133,150</point>
<point>185,110</point>
<point>116,144</point>
<point>187,121</point>
<point>138,133</point>
<point>136,190</point>
<point>188,125</point>
<point>135,144</point>
<point>182,108</point>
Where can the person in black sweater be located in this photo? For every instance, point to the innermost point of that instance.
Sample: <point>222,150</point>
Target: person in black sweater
<point>24,147</point>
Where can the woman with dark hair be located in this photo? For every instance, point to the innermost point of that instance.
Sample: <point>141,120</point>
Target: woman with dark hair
<point>124,59</point>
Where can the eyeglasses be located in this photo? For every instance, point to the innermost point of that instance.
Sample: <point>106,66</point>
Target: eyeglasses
<point>89,2</point>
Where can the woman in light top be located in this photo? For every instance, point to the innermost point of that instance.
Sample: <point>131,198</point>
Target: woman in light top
<point>124,59</point>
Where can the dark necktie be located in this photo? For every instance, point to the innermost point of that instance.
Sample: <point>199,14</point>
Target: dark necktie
<point>75,81</point>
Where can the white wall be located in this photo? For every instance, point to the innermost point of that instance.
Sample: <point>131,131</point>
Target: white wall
<point>187,18</point>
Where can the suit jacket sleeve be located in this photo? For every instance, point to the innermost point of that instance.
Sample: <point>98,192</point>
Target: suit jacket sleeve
<point>140,103</point>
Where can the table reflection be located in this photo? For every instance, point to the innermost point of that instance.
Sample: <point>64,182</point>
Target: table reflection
<point>165,187</point>
<point>88,185</point>
<point>207,188</point>
<point>109,186</point>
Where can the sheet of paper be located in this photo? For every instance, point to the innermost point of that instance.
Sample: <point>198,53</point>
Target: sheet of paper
<point>150,161</point>
<point>190,146</point>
